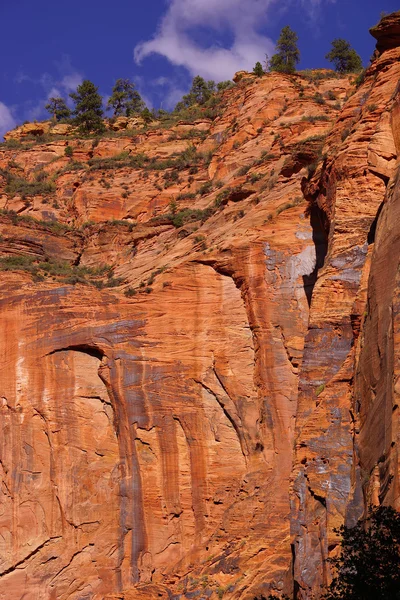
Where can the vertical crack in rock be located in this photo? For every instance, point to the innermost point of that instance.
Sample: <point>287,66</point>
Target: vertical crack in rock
<point>320,234</point>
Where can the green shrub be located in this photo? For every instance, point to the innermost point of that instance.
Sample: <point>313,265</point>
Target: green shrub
<point>359,80</point>
<point>17,263</point>
<point>314,75</point>
<point>315,118</point>
<point>188,215</point>
<point>223,196</point>
<point>254,177</point>
<point>11,145</point>
<point>60,270</point>
<point>318,98</point>
<point>68,151</point>
<point>206,188</point>
<point>186,196</point>
<point>291,204</point>
<point>188,135</point>
<point>129,292</point>
<point>19,186</point>
<point>119,161</point>
<point>244,170</point>
<point>266,156</point>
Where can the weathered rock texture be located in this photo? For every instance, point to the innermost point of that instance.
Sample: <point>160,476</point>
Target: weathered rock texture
<point>148,428</point>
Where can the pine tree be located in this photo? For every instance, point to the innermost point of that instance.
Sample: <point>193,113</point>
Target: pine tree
<point>147,115</point>
<point>88,110</point>
<point>288,55</point>
<point>258,70</point>
<point>199,93</point>
<point>125,99</point>
<point>344,57</point>
<point>58,109</point>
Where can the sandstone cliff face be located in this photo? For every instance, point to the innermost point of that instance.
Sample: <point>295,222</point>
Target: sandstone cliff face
<point>150,408</point>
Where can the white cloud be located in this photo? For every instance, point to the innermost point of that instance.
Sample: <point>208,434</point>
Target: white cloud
<point>66,80</point>
<point>70,82</point>
<point>7,121</point>
<point>313,7</point>
<point>240,19</point>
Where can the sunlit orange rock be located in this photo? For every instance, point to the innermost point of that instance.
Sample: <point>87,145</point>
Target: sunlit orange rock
<point>150,408</point>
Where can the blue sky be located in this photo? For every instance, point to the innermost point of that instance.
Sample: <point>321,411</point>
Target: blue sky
<point>48,47</point>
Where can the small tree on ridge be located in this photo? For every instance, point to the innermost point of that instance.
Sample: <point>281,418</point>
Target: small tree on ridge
<point>58,109</point>
<point>258,70</point>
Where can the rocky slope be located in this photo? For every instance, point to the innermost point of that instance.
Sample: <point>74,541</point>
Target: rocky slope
<point>181,306</point>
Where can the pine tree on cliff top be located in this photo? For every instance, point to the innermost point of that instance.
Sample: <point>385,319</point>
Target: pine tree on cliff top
<point>288,55</point>
<point>125,99</point>
<point>58,109</point>
<point>88,110</point>
<point>344,57</point>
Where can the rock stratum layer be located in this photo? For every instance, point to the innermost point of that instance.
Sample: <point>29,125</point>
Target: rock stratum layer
<point>194,419</point>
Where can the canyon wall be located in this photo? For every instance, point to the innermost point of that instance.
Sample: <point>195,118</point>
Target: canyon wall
<point>182,307</point>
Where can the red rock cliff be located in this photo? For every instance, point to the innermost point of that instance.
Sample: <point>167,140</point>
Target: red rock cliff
<point>150,408</point>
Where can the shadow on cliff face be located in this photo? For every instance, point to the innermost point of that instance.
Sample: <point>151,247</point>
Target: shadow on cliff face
<point>320,233</point>
<point>372,229</point>
<point>85,349</point>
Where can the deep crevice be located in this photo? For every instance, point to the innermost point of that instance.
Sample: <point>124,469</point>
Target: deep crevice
<point>320,233</point>
<point>372,229</point>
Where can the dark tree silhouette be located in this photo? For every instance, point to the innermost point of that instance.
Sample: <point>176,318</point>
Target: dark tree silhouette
<point>369,565</point>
